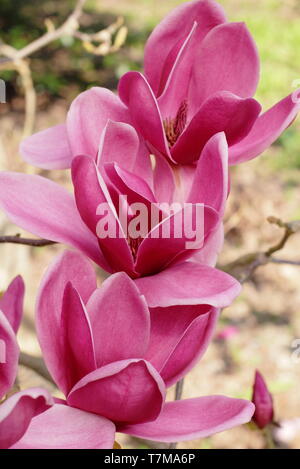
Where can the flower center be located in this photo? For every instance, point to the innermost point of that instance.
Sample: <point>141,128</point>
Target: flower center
<point>134,244</point>
<point>175,126</point>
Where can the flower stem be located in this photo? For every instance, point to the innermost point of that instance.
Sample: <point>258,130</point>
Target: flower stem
<point>178,396</point>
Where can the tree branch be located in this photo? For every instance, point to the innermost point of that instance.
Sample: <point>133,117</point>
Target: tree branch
<point>68,27</point>
<point>26,241</point>
<point>244,267</point>
<point>36,364</point>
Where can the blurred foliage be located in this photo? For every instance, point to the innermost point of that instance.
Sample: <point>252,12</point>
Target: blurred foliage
<point>64,68</point>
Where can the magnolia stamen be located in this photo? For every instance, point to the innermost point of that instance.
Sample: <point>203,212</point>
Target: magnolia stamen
<point>175,126</point>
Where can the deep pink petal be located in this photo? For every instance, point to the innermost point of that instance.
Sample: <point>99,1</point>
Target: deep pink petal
<point>48,149</point>
<point>88,116</point>
<point>17,411</point>
<point>78,351</point>
<point>125,391</point>
<point>174,359</point>
<point>163,180</point>
<point>90,194</point>
<point>9,355</point>
<point>189,284</point>
<point>210,182</point>
<point>118,314</point>
<point>63,427</point>
<point>135,92</point>
<point>46,209</point>
<point>212,248</point>
<point>167,38</point>
<point>176,88</point>
<point>67,267</point>
<point>266,130</point>
<point>192,419</point>
<point>222,112</point>
<point>226,60</point>
<point>120,144</point>
<point>11,303</point>
<point>158,250</point>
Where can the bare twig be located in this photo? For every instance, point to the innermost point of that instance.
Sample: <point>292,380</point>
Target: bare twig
<point>26,241</point>
<point>16,58</point>
<point>244,267</point>
<point>67,28</point>
<point>36,364</point>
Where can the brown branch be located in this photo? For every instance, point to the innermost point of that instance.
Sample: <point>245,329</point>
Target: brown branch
<point>67,28</point>
<point>178,396</point>
<point>244,267</point>
<point>36,364</point>
<point>26,241</point>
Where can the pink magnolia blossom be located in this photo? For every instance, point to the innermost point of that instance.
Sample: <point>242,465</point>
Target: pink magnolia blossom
<point>201,73</point>
<point>263,401</point>
<point>11,311</point>
<point>112,382</point>
<point>17,411</point>
<point>48,210</point>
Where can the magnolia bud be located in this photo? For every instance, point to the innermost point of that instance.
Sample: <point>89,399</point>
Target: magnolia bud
<point>263,401</point>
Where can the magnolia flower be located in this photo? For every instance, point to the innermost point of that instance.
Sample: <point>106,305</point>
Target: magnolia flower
<point>17,411</point>
<point>11,311</point>
<point>201,73</point>
<point>263,401</point>
<point>48,210</point>
<point>113,358</point>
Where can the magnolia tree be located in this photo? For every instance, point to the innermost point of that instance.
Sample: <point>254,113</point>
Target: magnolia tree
<point>150,174</point>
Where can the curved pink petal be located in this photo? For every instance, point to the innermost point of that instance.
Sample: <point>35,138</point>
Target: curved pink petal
<point>67,267</point>
<point>118,313</point>
<point>46,209</point>
<point>228,61</point>
<point>88,116</point>
<point>9,355</point>
<point>130,184</point>
<point>91,194</point>
<point>135,92</point>
<point>189,283</point>
<point>176,88</point>
<point>160,248</point>
<point>266,130</point>
<point>167,38</point>
<point>210,183</point>
<point>17,411</point>
<point>163,180</point>
<point>128,391</point>
<point>192,419</point>
<point>191,344</point>
<point>11,302</point>
<point>179,337</point>
<point>222,112</point>
<point>48,149</point>
<point>63,427</point>
<point>209,253</point>
<point>120,144</point>
<point>78,352</point>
